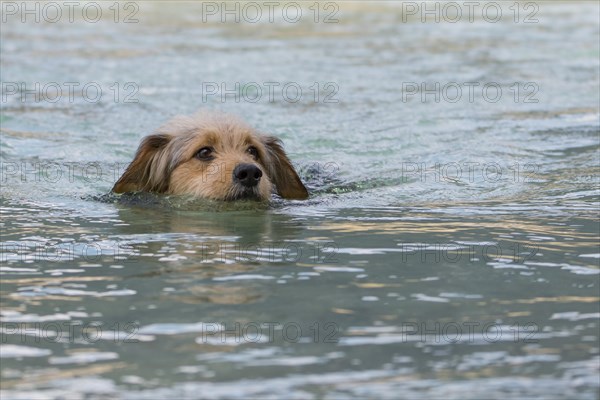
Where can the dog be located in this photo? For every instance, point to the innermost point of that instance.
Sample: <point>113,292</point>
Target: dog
<point>211,156</point>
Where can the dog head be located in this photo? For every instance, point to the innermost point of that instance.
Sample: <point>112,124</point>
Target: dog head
<point>211,156</point>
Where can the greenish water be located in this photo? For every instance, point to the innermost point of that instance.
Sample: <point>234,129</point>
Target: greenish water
<point>449,249</point>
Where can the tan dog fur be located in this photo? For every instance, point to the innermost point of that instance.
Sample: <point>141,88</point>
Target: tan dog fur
<point>168,161</point>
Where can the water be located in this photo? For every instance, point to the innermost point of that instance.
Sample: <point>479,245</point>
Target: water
<point>449,250</point>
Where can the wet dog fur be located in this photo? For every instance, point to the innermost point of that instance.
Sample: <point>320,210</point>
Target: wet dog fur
<point>212,156</point>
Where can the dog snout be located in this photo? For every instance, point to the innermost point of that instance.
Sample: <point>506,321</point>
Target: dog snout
<point>247,175</point>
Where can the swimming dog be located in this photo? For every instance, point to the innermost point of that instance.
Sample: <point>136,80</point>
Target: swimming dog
<point>212,156</point>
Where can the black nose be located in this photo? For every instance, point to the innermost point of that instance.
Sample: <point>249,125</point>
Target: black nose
<point>247,175</point>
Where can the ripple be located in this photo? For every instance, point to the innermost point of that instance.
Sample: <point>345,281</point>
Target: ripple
<point>15,351</point>
<point>83,358</point>
<point>47,291</point>
<point>180,328</point>
<point>245,277</point>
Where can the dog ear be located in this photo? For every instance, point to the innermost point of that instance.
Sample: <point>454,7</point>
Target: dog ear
<point>282,173</point>
<point>147,171</point>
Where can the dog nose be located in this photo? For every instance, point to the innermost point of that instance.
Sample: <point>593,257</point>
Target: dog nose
<point>247,175</point>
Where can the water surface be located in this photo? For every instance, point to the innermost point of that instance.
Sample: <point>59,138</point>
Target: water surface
<point>449,249</point>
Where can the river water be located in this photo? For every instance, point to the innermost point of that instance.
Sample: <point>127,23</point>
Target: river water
<point>449,248</point>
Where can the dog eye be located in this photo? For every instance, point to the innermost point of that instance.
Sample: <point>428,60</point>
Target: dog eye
<point>253,151</point>
<point>204,153</point>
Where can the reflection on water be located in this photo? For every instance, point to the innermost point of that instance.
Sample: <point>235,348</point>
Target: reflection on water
<point>449,249</point>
